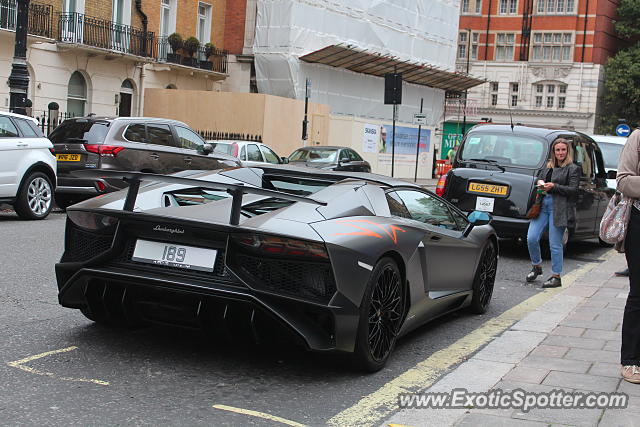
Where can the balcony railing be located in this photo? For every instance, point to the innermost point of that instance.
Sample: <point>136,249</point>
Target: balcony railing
<point>39,17</point>
<point>217,61</point>
<point>81,29</point>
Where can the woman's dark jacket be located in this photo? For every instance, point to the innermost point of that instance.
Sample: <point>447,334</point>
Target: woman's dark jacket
<point>565,192</point>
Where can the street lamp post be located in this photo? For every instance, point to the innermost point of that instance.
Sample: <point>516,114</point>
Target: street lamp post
<point>464,118</point>
<point>19,77</point>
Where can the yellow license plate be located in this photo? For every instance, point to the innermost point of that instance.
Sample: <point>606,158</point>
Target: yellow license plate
<point>68,157</point>
<point>481,188</point>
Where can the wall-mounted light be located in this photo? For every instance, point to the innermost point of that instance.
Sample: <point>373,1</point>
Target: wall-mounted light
<point>117,98</point>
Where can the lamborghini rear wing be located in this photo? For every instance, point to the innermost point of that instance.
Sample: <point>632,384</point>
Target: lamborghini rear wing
<point>236,190</point>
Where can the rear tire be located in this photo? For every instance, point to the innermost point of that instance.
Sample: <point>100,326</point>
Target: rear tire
<point>484,279</point>
<point>381,315</point>
<point>35,197</point>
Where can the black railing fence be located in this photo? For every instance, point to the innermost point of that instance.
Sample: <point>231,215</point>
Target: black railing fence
<point>210,135</point>
<point>217,61</point>
<point>40,16</point>
<point>48,122</point>
<point>82,29</point>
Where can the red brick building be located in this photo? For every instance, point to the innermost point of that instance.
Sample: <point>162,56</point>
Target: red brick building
<point>542,59</point>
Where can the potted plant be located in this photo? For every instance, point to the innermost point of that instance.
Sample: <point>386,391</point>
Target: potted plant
<point>191,45</point>
<point>176,43</point>
<point>209,48</point>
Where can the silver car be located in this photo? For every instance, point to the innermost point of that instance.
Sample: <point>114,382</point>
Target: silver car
<point>250,153</point>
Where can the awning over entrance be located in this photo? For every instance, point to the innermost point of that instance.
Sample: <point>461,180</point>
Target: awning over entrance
<point>376,64</point>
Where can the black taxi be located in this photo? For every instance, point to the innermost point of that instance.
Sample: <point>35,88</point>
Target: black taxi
<point>495,171</point>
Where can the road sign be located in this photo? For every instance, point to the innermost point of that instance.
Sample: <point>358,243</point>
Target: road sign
<point>623,129</point>
<point>420,119</point>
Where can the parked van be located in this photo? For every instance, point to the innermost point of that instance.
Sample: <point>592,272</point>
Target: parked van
<point>495,170</point>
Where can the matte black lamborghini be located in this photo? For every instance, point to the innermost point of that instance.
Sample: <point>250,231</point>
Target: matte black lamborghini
<point>342,262</point>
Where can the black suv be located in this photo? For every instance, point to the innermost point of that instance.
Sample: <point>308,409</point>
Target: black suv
<point>128,144</point>
<point>495,168</point>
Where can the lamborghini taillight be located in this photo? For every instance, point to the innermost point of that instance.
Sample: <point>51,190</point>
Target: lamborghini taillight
<point>273,245</point>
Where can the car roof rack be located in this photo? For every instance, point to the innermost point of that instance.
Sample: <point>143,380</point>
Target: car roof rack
<point>236,190</point>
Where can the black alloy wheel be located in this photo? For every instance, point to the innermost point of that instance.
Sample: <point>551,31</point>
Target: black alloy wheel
<point>484,279</point>
<point>381,316</point>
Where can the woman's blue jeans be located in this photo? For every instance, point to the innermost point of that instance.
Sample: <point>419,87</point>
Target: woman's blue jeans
<point>537,227</point>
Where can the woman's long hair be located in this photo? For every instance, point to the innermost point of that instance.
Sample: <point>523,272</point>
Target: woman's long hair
<point>553,163</point>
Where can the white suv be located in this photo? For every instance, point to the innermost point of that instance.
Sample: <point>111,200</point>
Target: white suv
<point>27,167</point>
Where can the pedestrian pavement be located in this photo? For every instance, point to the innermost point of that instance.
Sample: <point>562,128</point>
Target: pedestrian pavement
<point>569,343</point>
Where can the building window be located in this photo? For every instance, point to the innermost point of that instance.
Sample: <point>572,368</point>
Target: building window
<point>504,46</point>
<point>555,7</point>
<point>463,45</point>
<point>561,102</point>
<point>494,93</point>
<point>203,28</point>
<point>550,101</point>
<point>463,40</point>
<point>515,87</point>
<point>468,7</point>
<point>550,95</point>
<point>76,95</point>
<point>538,101</point>
<point>514,100</point>
<point>508,7</point>
<point>552,47</point>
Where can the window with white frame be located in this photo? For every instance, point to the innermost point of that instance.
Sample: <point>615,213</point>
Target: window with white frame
<point>555,7</point>
<point>552,47</point>
<point>552,95</point>
<point>470,7</point>
<point>508,7</point>
<point>464,45</point>
<point>514,93</point>
<point>203,28</point>
<point>504,46</point>
<point>167,17</point>
<point>494,86</point>
<point>463,42</point>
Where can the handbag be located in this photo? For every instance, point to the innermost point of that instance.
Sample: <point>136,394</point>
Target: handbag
<point>615,221</point>
<point>534,210</point>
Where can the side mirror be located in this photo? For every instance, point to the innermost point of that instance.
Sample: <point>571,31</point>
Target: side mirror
<point>285,160</point>
<point>612,174</point>
<point>207,149</point>
<point>477,219</point>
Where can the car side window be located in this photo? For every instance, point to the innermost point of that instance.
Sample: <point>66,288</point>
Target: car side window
<point>355,157</point>
<point>396,205</point>
<point>189,139</point>
<point>7,128</point>
<point>159,135</point>
<point>25,128</point>
<point>427,209</point>
<point>243,153</point>
<point>253,153</point>
<point>344,155</point>
<point>583,157</point>
<point>135,133</point>
<point>460,219</point>
<point>269,155</point>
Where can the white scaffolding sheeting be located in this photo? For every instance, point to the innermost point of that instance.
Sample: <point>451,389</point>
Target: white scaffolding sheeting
<point>422,31</point>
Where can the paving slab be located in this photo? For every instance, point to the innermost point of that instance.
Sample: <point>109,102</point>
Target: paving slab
<point>575,342</point>
<point>550,350</point>
<point>581,381</point>
<point>605,369</point>
<point>592,355</point>
<point>475,420</point>
<point>568,331</point>
<point>556,364</point>
<point>527,375</point>
<point>510,347</point>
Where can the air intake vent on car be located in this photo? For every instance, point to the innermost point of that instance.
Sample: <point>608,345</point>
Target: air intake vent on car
<point>84,245</point>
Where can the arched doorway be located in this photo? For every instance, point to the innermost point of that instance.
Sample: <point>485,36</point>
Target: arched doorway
<point>76,95</point>
<point>126,99</point>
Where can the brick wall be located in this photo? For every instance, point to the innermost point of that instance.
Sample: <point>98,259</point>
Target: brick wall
<point>98,9</point>
<point>234,26</point>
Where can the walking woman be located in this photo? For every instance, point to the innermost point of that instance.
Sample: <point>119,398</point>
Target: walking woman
<point>629,185</point>
<point>559,181</point>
